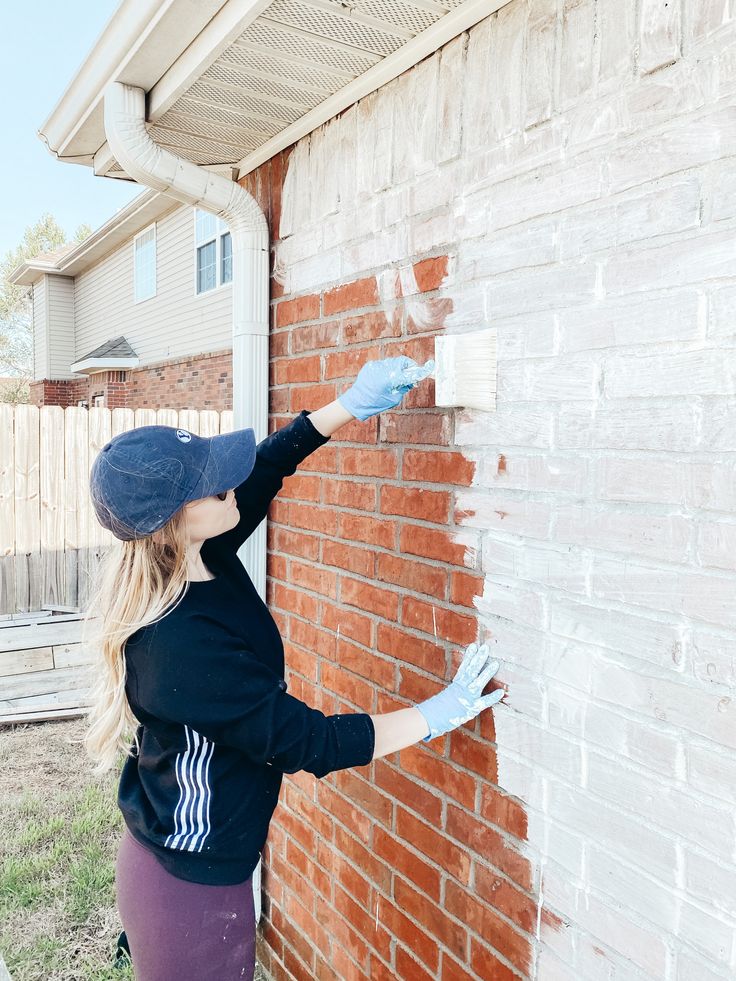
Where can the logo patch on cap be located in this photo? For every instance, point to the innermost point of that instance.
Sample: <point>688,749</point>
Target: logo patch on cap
<point>183,436</point>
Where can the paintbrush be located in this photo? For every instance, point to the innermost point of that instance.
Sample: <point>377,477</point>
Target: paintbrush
<point>465,370</point>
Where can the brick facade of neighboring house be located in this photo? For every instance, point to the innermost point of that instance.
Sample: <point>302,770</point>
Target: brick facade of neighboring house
<point>201,382</point>
<point>564,171</point>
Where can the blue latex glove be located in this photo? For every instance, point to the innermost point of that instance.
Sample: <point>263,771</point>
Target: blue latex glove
<point>462,699</point>
<point>382,385</point>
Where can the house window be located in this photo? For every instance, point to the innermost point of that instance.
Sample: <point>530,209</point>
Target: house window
<point>98,399</point>
<point>214,251</point>
<point>144,266</point>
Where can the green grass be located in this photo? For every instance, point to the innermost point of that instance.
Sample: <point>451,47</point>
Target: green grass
<point>58,918</point>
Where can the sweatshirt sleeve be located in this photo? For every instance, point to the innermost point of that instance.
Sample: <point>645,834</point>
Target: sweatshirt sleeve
<point>227,694</point>
<point>277,456</point>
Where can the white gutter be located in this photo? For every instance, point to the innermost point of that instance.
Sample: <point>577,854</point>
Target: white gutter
<point>149,164</point>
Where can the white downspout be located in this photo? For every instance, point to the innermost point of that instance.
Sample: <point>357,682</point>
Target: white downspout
<point>151,165</point>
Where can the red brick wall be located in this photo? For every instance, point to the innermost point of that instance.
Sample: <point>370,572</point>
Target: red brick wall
<point>201,382</point>
<point>375,605</point>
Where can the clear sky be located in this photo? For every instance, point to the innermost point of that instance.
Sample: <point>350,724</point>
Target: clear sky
<point>42,44</point>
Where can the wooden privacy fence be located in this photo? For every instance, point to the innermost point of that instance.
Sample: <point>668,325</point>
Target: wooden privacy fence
<point>51,542</point>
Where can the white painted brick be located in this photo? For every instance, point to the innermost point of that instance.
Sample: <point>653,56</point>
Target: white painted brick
<point>569,664</point>
<point>576,68</point>
<point>714,658</point>
<point>431,233</point>
<point>531,244</point>
<point>672,92</point>
<point>722,320</point>
<point>692,967</point>
<point>574,712</point>
<point>718,428</point>
<point>323,170</point>
<point>713,486</point>
<point>632,938</point>
<point>685,144</point>
<point>507,69</point>
<point>673,206</point>
<point>530,195</point>
<point>346,158</point>
<point>552,288</point>
<point>477,132</point>
<point>450,99</point>
<point>539,66</point>
<point>556,474</point>
<point>627,320</point>
<point>529,336</point>
<point>616,28</point>
<point>681,705</point>
<point>710,771</point>
<point>568,848</point>
<point>716,545</point>
<point>681,814</point>
<point>415,121</point>
<point>660,751</point>
<point>656,536</point>
<point>319,270</point>
<point>611,828</point>
<point>504,428</point>
<point>642,638</point>
<point>594,963</point>
<point>595,126</point>
<point>659,34</point>
<point>523,606</point>
<point>698,372</point>
<point>546,750</point>
<point>433,190</point>
<point>552,568</point>
<point>492,511</point>
<point>295,195</point>
<point>625,427</point>
<point>468,310</point>
<point>514,643</point>
<point>696,259</point>
<point>551,380</point>
<point>709,934</point>
<point>713,883</point>
<point>632,888</point>
<point>374,157</point>
<point>703,597</point>
<point>549,965</point>
<point>521,779</point>
<point>644,480</point>
<point>526,697</point>
<point>704,18</point>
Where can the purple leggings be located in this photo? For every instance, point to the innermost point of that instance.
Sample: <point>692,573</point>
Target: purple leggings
<point>179,930</point>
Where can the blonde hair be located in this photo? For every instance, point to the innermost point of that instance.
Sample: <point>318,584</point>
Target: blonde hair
<point>139,581</point>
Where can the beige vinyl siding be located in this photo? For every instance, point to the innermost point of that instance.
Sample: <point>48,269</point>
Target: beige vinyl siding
<point>175,322</point>
<point>60,307</point>
<point>40,347</point>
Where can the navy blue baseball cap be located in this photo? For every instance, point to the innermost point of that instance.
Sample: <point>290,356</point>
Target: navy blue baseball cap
<point>142,477</point>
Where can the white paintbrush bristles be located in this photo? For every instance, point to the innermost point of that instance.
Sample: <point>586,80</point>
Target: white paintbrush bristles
<point>465,370</point>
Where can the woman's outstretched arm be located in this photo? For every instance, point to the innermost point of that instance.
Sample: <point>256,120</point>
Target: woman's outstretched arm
<point>330,417</point>
<point>397,730</point>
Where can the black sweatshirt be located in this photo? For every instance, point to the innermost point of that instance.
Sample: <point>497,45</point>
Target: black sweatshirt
<point>218,728</point>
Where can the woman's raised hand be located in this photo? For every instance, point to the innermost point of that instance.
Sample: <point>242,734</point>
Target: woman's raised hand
<point>382,385</point>
<point>462,699</point>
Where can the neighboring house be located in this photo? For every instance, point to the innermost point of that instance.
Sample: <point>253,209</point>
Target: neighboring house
<point>138,315</point>
<point>565,171</point>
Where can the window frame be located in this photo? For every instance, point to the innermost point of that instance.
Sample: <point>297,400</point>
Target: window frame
<point>221,230</point>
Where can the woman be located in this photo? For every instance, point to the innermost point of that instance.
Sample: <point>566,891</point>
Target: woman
<point>192,664</point>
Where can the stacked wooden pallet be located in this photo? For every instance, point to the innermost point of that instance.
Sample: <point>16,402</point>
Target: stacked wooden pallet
<point>44,666</point>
